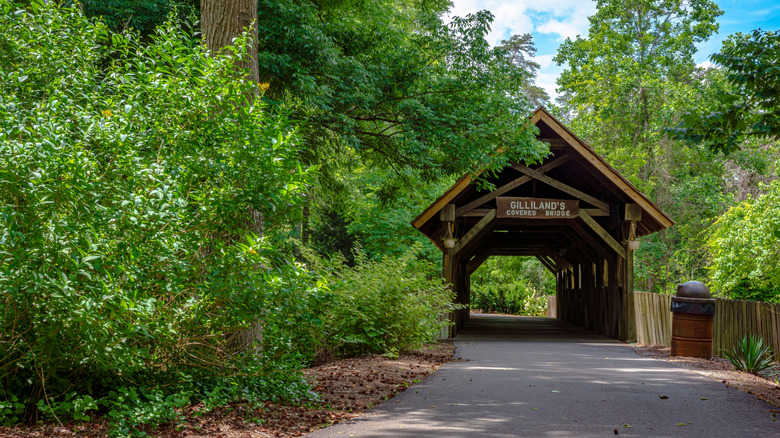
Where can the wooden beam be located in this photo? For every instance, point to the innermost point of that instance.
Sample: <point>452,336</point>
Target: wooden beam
<point>583,244</point>
<point>472,233</point>
<point>596,212</point>
<point>546,264</point>
<point>560,260</point>
<point>447,213</point>
<point>516,253</point>
<point>597,247</point>
<point>443,200</point>
<point>477,261</point>
<point>607,171</point>
<point>554,142</point>
<point>477,212</point>
<point>507,187</point>
<point>603,234</point>
<point>562,187</point>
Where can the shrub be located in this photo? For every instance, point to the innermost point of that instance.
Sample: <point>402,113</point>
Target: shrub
<point>384,306</point>
<point>508,285</point>
<point>750,354</point>
<point>743,248</point>
<point>128,174</point>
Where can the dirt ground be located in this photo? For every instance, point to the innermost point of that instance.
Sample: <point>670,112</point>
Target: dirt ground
<point>764,386</point>
<point>349,387</point>
<point>346,387</point>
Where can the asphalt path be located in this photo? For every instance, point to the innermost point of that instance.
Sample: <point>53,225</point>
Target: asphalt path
<point>541,377</point>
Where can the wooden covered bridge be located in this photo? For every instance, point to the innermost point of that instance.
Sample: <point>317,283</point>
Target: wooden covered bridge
<point>573,212</point>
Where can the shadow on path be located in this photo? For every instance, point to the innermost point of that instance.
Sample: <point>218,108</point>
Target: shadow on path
<point>542,377</point>
<point>525,329</point>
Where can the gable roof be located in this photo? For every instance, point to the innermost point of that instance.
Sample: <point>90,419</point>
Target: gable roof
<point>562,141</point>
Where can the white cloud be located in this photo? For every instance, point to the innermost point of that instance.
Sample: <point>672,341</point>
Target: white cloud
<point>545,61</point>
<point>565,18</point>
<point>549,22</point>
<point>706,64</point>
<point>568,27</point>
<point>546,80</point>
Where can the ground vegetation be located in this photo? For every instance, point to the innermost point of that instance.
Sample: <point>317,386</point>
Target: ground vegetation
<point>156,205</point>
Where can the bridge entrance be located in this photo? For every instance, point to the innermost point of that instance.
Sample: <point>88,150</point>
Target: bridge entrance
<point>574,212</point>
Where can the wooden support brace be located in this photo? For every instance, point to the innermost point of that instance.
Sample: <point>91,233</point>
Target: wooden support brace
<point>547,264</point>
<point>477,261</point>
<point>562,187</point>
<point>509,186</point>
<point>596,212</point>
<point>476,229</point>
<point>583,242</point>
<point>477,212</point>
<point>603,234</point>
<point>561,261</point>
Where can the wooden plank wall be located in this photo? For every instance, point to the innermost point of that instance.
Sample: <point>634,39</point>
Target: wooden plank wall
<point>586,300</point>
<point>733,320</point>
<point>552,302</point>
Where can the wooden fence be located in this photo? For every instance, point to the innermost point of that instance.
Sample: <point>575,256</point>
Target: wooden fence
<point>653,318</point>
<point>733,320</point>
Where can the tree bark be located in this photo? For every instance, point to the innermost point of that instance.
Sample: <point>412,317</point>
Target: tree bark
<point>222,21</point>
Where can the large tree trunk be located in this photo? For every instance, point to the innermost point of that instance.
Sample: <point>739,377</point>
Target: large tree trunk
<point>224,20</point>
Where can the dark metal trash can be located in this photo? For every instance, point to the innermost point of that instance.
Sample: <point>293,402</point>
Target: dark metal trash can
<point>692,312</point>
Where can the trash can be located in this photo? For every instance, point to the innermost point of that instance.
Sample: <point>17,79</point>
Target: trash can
<point>692,312</point>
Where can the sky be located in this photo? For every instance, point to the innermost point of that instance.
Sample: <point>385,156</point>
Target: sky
<point>551,22</point>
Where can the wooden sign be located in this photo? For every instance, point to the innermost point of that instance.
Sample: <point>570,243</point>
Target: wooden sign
<point>536,208</point>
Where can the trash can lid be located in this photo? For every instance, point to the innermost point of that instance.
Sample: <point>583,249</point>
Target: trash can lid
<point>693,289</point>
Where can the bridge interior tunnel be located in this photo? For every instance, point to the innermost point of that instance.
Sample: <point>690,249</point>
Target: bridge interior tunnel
<point>590,284</point>
<point>513,285</point>
<point>573,212</point>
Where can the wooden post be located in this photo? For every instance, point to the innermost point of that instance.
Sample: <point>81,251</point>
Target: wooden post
<point>633,213</point>
<point>613,297</point>
<point>447,276</point>
<point>589,295</point>
<point>600,301</point>
<point>447,213</point>
<point>628,299</point>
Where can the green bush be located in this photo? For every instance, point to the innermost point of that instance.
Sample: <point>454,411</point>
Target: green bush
<point>384,306</point>
<point>128,260</point>
<point>511,285</point>
<point>750,354</point>
<point>743,248</point>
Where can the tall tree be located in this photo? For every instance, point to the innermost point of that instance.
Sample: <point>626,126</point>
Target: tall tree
<point>389,84</point>
<point>750,107</point>
<point>223,21</point>
<point>624,84</point>
<point>520,49</point>
<point>618,77</point>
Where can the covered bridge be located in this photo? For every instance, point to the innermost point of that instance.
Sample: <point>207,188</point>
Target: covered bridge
<point>574,212</point>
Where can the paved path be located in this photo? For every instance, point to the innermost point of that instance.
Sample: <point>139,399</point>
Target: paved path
<point>542,377</point>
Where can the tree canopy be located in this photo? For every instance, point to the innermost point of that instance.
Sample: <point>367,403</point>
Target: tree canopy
<point>391,84</point>
<point>745,250</point>
<point>749,107</point>
<point>154,202</point>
